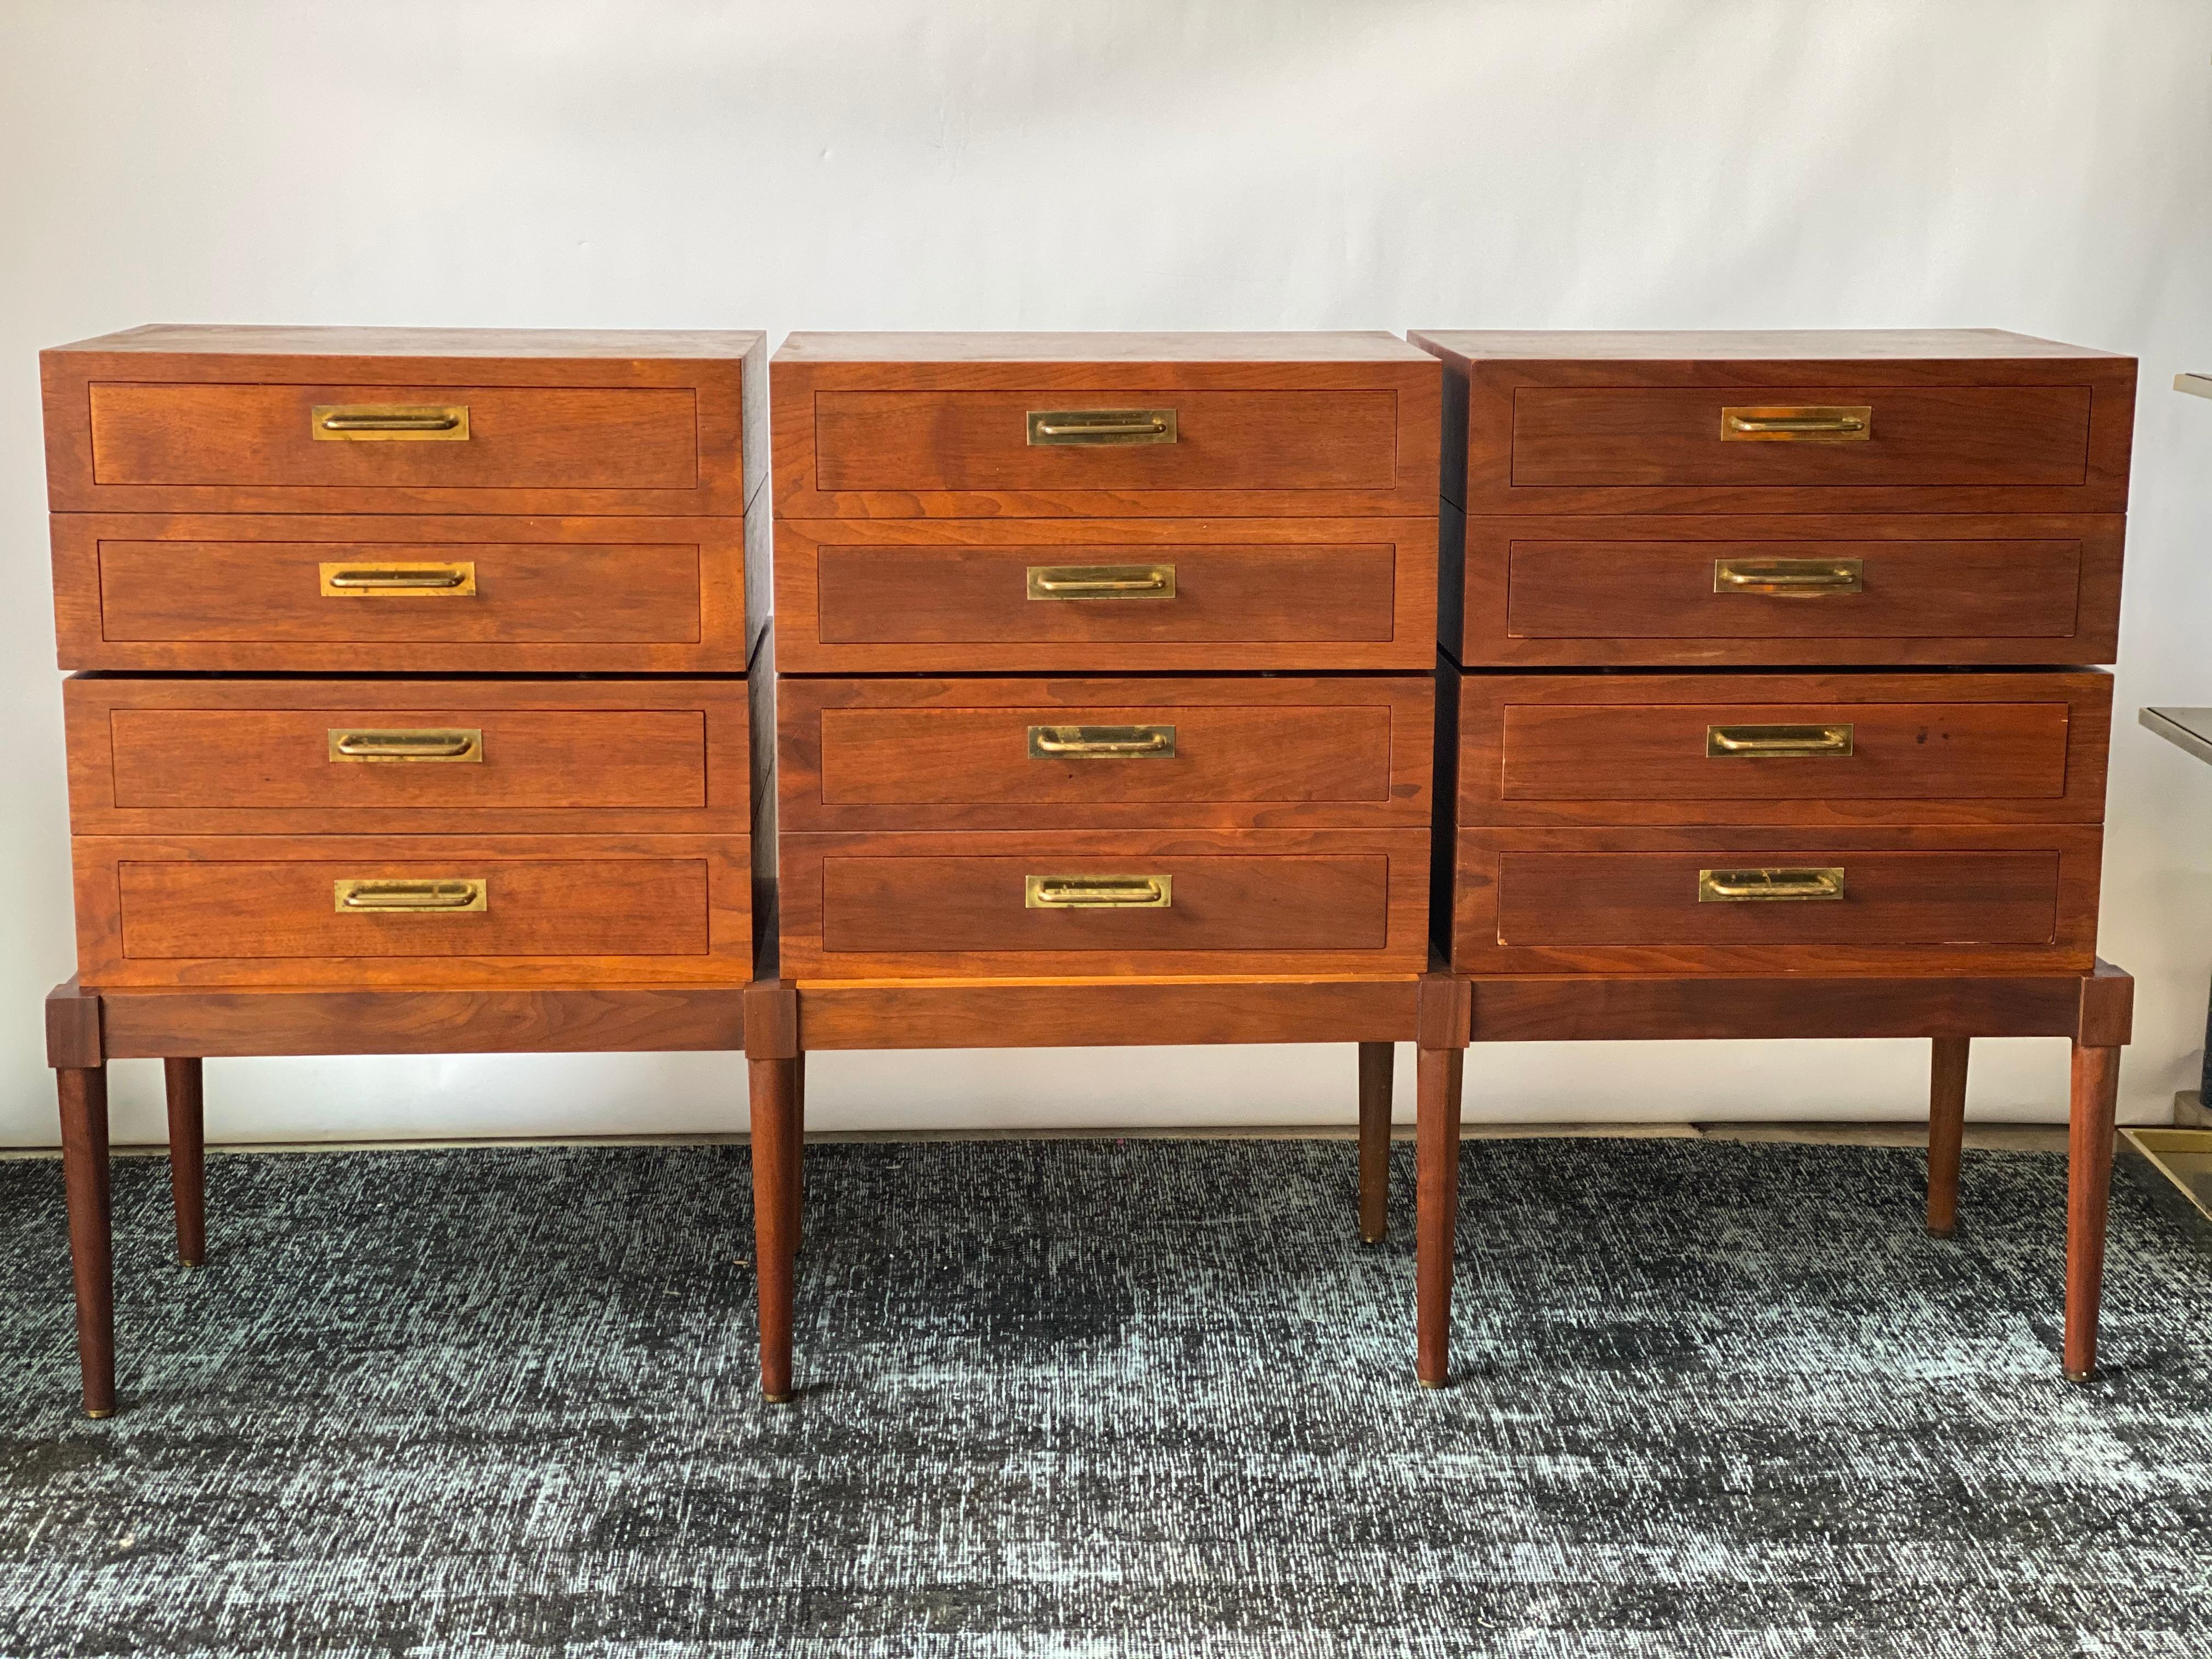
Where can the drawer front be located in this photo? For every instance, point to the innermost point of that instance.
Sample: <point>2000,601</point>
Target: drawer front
<point>399,595</point>
<point>610,431</point>
<point>2049,431</point>
<point>1731,592</point>
<point>420,911</point>
<point>1039,754</point>
<point>1043,439</point>
<point>1324,593</point>
<point>1791,749</point>
<point>1802,436</point>
<point>1141,439</point>
<point>1748,901</point>
<point>410,437</point>
<point>149,757</point>
<point>1136,903</point>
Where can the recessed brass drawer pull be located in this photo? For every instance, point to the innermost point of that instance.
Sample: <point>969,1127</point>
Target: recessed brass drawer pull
<point>1098,892</point>
<point>1789,578</point>
<point>374,422</point>
<point>451,897</point>
<point>1102,426</point>
<point>361,581</point>
<point>458,745</point>
<point>1102,742</point>
<point>1798,424</point>
<point>1759,886</point>
<point>1776,742</point>
<point>1101,581</point>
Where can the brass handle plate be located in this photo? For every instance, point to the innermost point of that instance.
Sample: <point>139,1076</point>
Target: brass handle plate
<point>1789,578</point>
<point>397,582</point>
<point>1102,426</point>
<point>1101,581</point>
<point>389,422</point>
<point>1098,892</point>
<point>1760,886</point>
<point>1102,742</point>
<point>1777,741</point>
<point>450,896</point>
<point>1797,423</point>
<point>458,744</point>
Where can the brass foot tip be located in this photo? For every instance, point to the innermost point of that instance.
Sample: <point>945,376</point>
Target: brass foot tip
<point>188,1261</point>
<point>1943,1232</point>
<point>95,1415</point>
<point>1439,1383</point>
<point>2073,1376</point>
<point>1373,1238</point>
<point>784,1399</point>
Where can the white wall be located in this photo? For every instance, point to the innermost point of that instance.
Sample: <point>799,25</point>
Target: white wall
<point>2039,165</point>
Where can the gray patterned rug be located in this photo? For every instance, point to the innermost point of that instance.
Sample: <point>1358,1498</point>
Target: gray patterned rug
<point>1100,1398</point>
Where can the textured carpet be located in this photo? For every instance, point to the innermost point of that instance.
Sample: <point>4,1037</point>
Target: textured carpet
<point>1090,1397</point>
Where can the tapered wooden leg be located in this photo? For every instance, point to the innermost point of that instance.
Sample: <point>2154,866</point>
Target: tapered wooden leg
<point>188,1157</point>
<point>1375,1061</point>
<point>799,1152</point>
<point>1946,1127</point>
<point>83,1091</point>
<point>1437,1215</point>
<point>775,1174</point>
<point>2088,1192</point>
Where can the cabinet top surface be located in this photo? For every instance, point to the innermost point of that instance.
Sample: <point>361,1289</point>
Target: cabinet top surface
<point>1809,344</point>
<point>253,339</point>
<point>1358,346</point>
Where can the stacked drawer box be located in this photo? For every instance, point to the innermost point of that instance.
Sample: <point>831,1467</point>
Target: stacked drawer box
<point>1104,655</point>
<point>1887,504</point>
<point>406,526</point>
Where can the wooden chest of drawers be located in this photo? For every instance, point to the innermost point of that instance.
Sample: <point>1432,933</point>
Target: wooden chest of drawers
<point>356,503</point>
<point>1768,713</point>
<point>1726,503</point>
<point>959,514</point>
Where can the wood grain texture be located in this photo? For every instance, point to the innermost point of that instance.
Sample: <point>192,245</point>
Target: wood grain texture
<point>183,1083</point>
<point>1436,1135</point>
<point>922,595</point>
<point>1560,591</point>
<point>1621,749</point>
<point>1374,1068</point>
<point>1947,1122</point>
<point>199,427</point>
<point>777,1150</point>
<point>233,756</point>
<point>2108,1008</point>
<point>157,1023</point>
<point>2094,1098</point>
<point>83,1096</point>
<point>1959,427</point>
<point>1105,1012</point>
<point>1918,899</point>
<point>74,1034</point>
<point>1249,752</point>
<point>563,910</point>
<point>1278,902</point>
<point>1577,1007</point>
<point>243,592</point>
<point>914,435</point>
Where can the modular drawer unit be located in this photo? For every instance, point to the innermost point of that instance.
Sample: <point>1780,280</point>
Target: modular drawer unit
<point>1863,504</point>
<point>346,506</point>
<point>1220,550</point>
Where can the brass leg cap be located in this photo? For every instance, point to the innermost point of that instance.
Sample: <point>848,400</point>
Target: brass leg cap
<point>784,1399</point>
<point>186,1261</point>
<point>1943,1232</point>
<point>1440,1382</point>
<point>2081,1376</point>
<point>1373,1238</point>
<point>96,1415</point>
